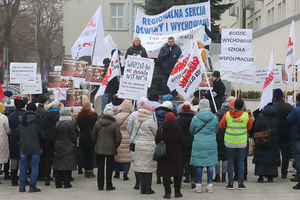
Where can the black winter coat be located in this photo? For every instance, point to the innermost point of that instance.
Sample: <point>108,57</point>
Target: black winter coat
<point>172,165</point>
<point>30,133</point>
<point>86,121</point>
<point>168,58</point>
<point>269,154</point>
<point>65,146</point>
<point>184,121</point>
<point>138,50</point>
<point>49,121</point>
<point>221,133</point>
<point>284,110</point>
<point>14,145</point>
<point>41,112</point>
<point>160,114</point>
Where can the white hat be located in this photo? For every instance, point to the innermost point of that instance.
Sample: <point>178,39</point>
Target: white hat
<point>167,104</point>
<point>108,110</point>
<point>204,104</point>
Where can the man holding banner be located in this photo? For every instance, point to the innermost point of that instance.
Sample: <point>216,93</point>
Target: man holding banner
<point>168,56</point>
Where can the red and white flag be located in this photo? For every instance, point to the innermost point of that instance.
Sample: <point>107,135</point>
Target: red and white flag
<point>1,92</point>
<point>93,34</point>
<point>267,94</point>
<point>290,56</point>
<point>179,67</point>
<point>113,70</point>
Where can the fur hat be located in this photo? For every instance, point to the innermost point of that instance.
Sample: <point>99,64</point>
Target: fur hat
<point>170,117</point>
<point>2,108</point>
<point>146,106</point>
<point>204,104</point>
<point>108,110</point>
<point>167,104</point>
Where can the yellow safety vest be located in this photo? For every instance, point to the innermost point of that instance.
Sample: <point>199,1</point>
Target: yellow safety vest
<point>236,135</point>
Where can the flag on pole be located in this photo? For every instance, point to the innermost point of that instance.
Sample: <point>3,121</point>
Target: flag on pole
<point>113,70</point>
<point>1,92</point>
<point>179,67</point>
<point>92,35</point>
<point>290,56</point>
<point>267,94</point>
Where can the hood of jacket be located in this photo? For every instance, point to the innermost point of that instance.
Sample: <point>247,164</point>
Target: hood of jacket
<point>205,115</point>
<point>106,120</point>
<point>143,115</point>
<point>161,108</point>
<point>28,117</point>
<point>125,107</point>
<point>168,97</point>
<point>235,114</point>
<point>186,115</point>
<point>224,108</point>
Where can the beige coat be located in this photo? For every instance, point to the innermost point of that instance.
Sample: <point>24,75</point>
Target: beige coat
<point>145,142</point>
<point>4,131</point>
<point>122,118</point>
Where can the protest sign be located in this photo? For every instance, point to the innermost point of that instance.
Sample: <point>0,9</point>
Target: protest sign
<point>67,83</point>
<point>290,55</point>
<point>54,79</point>
<point>94,75</point>
<point>247,77</point>
<point>236,50</point>
<point>138,68</point>
<point>60,94</point>
<point>204,82</point>
<point>132,89</point>
<point>33,88</point>
<point>22,73</point>
<point>57,68</point>
<point>75,70</point>
<point>174,20</point>
<point>261,73</point>
<point>74,97</point>
<point>153,43</point>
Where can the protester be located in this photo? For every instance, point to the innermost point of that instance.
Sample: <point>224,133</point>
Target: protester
<point>168,55</point>
<point>14,146</point>
<point>86,120</point>
<point>30,132</point>
<point>115,104</point>
<point>169,97</point>
<point>146,129</point>
<point>123,153</point>
<point>236,122</point>
<point>41,107</point>
<point>4,132</point>
<point>172,165</point>
<point>284,110</point>
<point>107,137</point>
<point>220,141</point>
<point>161,112</point>
<point>8,102</point>
<point>136,49</point>
<point>132,132</point>
<point>216,37</point>
<point>154,100</point>
<point>293,120</point>
<point>64,153</point>
<point>204,128</point>
<point>267,156</point>
<point>45,89</point>
<point>185,116</point>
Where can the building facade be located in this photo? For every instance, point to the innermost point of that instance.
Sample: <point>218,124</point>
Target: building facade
<point>118,19</point>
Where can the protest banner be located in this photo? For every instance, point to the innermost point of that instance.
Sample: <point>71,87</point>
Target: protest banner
<point>132,89</point>
<point>174,20</point>
<point>60,94</point>
<point>94,75</point>
<point>22,73</point>
<point>74,97</point>
<point>33,88</point>
<point>138,68</point>
<point>236,50</point>
<point>57,68</point>
<point>67,83</point>
<point>109,46</point>
<point>153,43</point>
<point>261,73</point>
<point>75,70</point>
<point>54,79</point>
<point>290,55</point>
<point>92,39</point>
<point>247,77</point>
<point>204,82</point>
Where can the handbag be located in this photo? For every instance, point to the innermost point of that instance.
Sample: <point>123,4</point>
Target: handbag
<point>132,144</point>
<point>160,151</point>
<point>251,147</point>
<point>263,138</point>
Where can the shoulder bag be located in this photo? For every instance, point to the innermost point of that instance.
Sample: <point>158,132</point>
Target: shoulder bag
<point>160,151</point>
<point>263,138</point>
<point>132,144</point>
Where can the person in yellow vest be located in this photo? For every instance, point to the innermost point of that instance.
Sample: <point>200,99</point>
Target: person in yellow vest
<point>236,123</point>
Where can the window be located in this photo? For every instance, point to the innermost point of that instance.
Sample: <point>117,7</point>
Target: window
<point>283,8</point>
<point>117,16</point>
<point>135,8</point>
<point>279,12</point>
<point>250,25</point>
<point>270,15</point>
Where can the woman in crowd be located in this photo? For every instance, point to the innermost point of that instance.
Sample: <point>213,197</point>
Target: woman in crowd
<point>185,116</point>
<point>172,165</point>
<point>204,128</point>
<point>267,156</point>
<point>4,131</point>
<point>146,129</point>
<point>136,49</point>
<point>86,119</point>
<point>64,153</point>
<point>123,153</point>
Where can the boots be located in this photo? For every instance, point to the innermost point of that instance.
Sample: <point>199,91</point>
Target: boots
<point>149,183</point>
<point>47,181</point>
<point>193,184</point>
<point>158,181</point>
<point>125,177</point>
<point>137,181</point>
<point>224,177</point>
<point>217,178</point>
<point>143,182</point>
<point>117,175</point>
<point>14,178</point>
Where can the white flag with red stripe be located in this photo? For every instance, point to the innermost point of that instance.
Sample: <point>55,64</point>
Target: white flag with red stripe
<point>290,56</point>
<point>267,94</point>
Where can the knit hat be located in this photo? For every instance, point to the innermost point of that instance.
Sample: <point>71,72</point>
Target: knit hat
<point>8,93</point>
<point>140,100</point>
<point>146,106</point>
<point>277,94</point>
<point>170,117</point>
<point>239,104</point>
<point>186,108</point>
<point>108,110</point>
<point>106,61</point>
<point>216,74</point>
<point>204,104</point>
<point>167,104</point>
<point>2,108</point>
<point>42,99</point>
<point>31,107</point>
<point>230,99</point>
<point>19,103</point>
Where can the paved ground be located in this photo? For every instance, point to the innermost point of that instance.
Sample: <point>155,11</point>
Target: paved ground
<point>86,189</point>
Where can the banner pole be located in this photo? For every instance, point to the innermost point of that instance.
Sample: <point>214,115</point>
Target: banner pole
<point>240,90</point>
<point>295,74</point>
<point>235,85</point>
<point>211,94</point>
<point>21,88</point>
